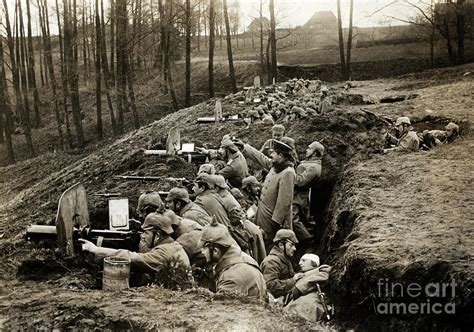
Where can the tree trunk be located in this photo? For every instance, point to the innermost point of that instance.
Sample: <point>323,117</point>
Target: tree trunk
<point>163,50</point>
<point>460,31</point>
<point>274,70</point>
<point>84,43</point>
<point>341,40</point>
<point>121,18</point>
<point>105,70</point>
<point>349,43</point>
<point>5,112</point>
<point>63,73</point>
<point>112,40</point>
<point>262,65</point>
<point>70,38</point>
<point>21,50</point>
<point>98,76</point>
<point>229,50</point>
<point>44,22</point>
<point>212,31</point>
<point>187,89</point>
<point>169,77</point>
<point>31,69</point>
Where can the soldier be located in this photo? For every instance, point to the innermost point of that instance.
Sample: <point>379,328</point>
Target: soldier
<point>306,300</point>
<point>179,202</point>
<point>278,131</point>
<point>404,139</point>
<point>235,271</point>
<point>165,256</point>
<point>149,202</point>
<point>251,190</point>
<point>306,172</point>
<point>181,225</point>
<point>207,168</point>
<point>277,269</point>
<point>209,200</point>
<point>248,235</point>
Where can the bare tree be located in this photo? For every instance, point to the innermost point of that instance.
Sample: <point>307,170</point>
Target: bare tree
<point>121,20</point>
<point>229,49</point>
<point>349,43</point>
<point>341,39</point>
<point>98,76</point>
<point>212,29</point>
<point>273,41</point>
<point>187,89</point>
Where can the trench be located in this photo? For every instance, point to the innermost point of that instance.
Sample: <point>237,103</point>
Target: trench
<point>333,230</point>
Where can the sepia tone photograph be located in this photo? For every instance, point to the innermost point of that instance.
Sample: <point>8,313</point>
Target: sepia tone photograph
<point>236,165</point>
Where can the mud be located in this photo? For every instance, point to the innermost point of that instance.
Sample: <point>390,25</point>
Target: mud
<point>398,216</point>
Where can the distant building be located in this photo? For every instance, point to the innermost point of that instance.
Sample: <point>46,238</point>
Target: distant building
<point>254,26</point>
<point>322,21</point>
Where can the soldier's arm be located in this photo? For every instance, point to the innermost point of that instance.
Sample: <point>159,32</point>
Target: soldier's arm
<point>274,285</point>
<point>252,153</point>
<point>308,175</point>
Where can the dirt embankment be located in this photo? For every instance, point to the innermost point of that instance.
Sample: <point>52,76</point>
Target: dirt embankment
<point>398,216</point>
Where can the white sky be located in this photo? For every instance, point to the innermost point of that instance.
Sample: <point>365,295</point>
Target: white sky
<point>291,13</point>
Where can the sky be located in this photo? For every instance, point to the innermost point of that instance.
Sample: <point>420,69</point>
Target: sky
<point>367,13</point>
<point>291,13</point>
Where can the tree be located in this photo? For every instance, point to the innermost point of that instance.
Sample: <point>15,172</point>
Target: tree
<point>273,47</point>
<point>212,29</point>
<point>187,89</point>
<point>121,20</point>
<point>98,76</point>
<point>349,43</point>
<point>229,49</point>
<point>341,40</point>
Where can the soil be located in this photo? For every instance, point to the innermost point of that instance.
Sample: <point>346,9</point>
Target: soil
<point>400,216</point>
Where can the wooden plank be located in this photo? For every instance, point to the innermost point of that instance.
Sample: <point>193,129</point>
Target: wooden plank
<point>72,212</point>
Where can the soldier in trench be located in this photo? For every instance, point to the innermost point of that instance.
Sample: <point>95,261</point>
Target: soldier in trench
<point>405,139</point>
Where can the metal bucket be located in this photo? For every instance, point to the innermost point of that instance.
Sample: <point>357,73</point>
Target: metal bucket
<point>116,273</point>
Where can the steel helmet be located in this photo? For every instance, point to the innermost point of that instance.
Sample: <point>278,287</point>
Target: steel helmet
<point>285,234</point>
<point>452,127</point>
<point>249,180</point>
<point>207,168</point>
<point>178,193</point>
<point>219,181</point>
<point>402,120</point>
<point>190,242</point>
<point>160,221</point>
<point>316,146</point>
<point>149,199</point>
<point>216,233</point>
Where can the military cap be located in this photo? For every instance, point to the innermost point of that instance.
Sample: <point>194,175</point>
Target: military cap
<point>206,178</point>
<point>267,119</point>
<point>219,181</point>
<point>178,193</point>
<point>402,120</point>
<point>190,242</point>
<point>281,147</point>
<point>236,193</point>
<point>452,126</point>
<point>249,180</point>
<point>312,258</point>
<point>160,221</point>
<point>289,141</point>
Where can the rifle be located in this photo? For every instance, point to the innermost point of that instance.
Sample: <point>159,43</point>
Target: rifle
<point>322,297</point>
<point>149,178</point>
<point>107,195</point>
<point>191,156</point>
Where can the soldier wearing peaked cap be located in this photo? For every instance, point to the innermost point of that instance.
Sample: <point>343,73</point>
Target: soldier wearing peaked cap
<point>236,167</point>
<point>275,206</point>
<point>163,252</point>
<point>235,271</point>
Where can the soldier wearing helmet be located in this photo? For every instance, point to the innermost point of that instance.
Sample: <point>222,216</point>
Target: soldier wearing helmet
<point>277,268</point>
<point>208,199</point>
<point>306,174</point>
<point>149,202</point>
<point>251,190</point>
<point>179,202</point>
<point>405,139</point>
<point>235,271</point>
<point>162,250</point>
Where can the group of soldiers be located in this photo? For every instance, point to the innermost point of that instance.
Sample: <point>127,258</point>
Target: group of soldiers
<point>240,231</point>
<point>408,140</point>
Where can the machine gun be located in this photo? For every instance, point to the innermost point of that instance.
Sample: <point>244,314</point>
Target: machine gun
<point>322,298</point>
<point>72,223</point>
<point>183,181</point>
